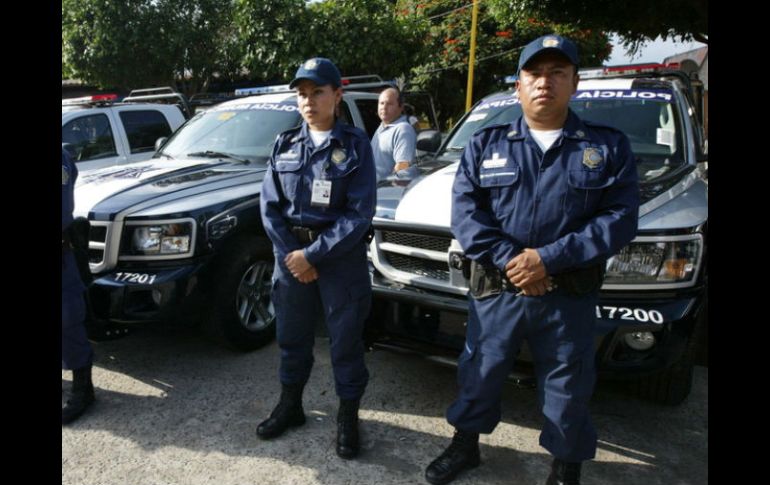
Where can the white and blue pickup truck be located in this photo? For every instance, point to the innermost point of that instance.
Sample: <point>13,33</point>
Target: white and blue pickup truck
<point>98,131</point>
<point>179,237</point>
<point>653,304</point>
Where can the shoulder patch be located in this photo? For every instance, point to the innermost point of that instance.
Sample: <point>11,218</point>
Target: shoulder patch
<point>503,129</point>
<point>594,124</point>
<point>288,135</point>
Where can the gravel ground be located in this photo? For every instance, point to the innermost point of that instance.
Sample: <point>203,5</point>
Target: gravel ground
<point>173,408</point>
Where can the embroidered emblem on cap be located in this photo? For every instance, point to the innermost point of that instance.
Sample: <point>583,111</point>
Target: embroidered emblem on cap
<point>338,155</point>
<point>580,133</point>
<point>592,157</point>
<point>310,64</point>
<point>550,42</point>
<point>65,176</point>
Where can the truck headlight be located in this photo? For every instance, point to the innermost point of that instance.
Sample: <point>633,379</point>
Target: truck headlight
<point>167,239</point>
<point>656,262</point>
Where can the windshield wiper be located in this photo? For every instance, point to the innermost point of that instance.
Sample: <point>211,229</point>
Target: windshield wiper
<point>213,154</point>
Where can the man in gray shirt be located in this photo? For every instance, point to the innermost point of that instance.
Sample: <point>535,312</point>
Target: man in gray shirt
<point>394,141</point>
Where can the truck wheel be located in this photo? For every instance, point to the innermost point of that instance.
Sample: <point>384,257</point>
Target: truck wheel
<point>672,385</point>
<point>243,316</point>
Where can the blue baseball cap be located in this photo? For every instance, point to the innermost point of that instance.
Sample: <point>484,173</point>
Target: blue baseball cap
<point>320,70</point>
<point>549,43</point>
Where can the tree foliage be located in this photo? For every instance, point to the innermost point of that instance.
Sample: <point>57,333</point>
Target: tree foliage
<point>271,34</point>
<point>146,42</point>
<point>498,44</point>
<point>634,22</point>
<point>363,37</point>
<point>142,43</point>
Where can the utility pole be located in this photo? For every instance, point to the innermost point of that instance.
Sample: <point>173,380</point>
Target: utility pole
<point>472,57</point>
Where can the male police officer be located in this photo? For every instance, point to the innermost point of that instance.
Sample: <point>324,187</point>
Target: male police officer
<point>538,206</point>
<point>76,352</point>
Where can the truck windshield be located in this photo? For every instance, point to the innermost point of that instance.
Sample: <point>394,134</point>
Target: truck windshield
<point>244,131</point>
<point>648,117</point>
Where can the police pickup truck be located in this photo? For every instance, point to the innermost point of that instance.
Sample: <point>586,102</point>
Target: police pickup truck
<point>653,304</point>
<point>100,132</point>
<point>179,237</point>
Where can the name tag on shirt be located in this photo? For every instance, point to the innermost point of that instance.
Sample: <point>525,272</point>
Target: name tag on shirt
<point>322,193</point>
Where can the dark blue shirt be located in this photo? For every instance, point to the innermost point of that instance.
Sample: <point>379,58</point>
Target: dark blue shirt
<point>576,204</point>
<point>69,174</point>
<point>70,278</point>
<point>344,159</point>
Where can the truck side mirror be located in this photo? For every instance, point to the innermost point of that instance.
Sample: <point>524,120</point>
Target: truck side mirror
<point>429,141</point>
<point>160,142</point>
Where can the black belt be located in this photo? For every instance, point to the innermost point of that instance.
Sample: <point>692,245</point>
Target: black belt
<point>305,235</point>
<point>488,280</point>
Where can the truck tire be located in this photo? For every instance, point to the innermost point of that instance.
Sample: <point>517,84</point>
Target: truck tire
<point>242,314</point>
<point>672,385</point>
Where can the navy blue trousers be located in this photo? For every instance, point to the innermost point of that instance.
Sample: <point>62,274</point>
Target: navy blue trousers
<point>559,329</point>
<point>76,351</point>
<point>343,295</point>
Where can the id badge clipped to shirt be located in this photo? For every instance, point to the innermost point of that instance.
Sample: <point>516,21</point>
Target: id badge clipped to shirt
<point>322,193</point>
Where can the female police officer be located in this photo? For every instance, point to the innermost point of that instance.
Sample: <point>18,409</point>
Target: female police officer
<point>317,204</point>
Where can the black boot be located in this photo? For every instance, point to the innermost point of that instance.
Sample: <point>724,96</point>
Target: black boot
<point>82,395</point>
<point>564,473</point>
<point>288,413</point>
<point>347,428</point>
<point>462,453</point>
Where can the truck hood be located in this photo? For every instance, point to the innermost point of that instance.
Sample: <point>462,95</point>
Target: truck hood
<point>427,200</point>
<point>157,187</point>
<point>395,200</point>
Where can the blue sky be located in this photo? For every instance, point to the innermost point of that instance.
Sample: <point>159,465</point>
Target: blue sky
<point>654,51</point>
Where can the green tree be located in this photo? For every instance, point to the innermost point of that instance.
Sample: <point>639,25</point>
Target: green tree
<point>364,37</point>
<point>146,42</point>
<point>203,44</point>
<point>634,22</point>
<point>271,34</point>
<point>444,73</point>
<point>110,43</point>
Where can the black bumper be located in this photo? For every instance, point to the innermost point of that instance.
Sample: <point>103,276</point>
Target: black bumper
<point>417,321</point>
<point>133,295</point>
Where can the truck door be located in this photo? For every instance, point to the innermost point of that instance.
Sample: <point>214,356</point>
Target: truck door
<point>142,127</point>
<point>93,139</point>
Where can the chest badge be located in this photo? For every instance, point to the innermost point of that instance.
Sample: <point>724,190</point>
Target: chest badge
<point>65,176</point>
<point>338,155</point>
<point>592,157</point>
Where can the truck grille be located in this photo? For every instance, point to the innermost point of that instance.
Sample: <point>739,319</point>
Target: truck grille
<point>433,243</point>
<point>418,266</point>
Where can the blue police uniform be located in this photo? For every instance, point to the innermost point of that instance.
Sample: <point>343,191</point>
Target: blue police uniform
<point>342,291</point>
<point>75,349</point>
<point>576,204</point>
